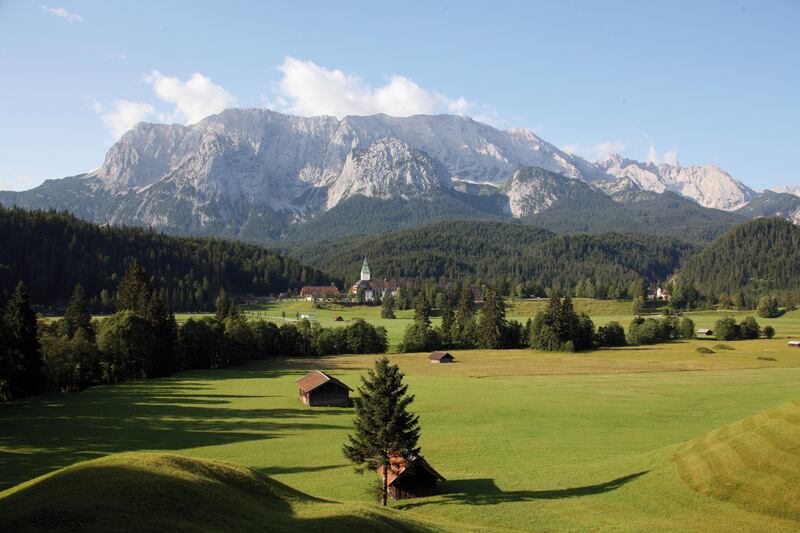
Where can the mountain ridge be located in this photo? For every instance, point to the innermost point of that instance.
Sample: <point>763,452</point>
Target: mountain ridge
<point>255,174</point>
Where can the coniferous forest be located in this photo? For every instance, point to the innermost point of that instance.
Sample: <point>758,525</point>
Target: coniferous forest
<point>497,252</point>
<point>753,259</point>
<point>51,252</point>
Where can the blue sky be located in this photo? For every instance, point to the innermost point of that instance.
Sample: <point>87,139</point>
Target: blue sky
<point>698,82</point>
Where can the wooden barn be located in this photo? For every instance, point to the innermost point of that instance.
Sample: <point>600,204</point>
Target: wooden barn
<point>441,357</point>
<point>411,478</point>
<point>794,344</point>
<point>704,332</point>
<point>319,389</point>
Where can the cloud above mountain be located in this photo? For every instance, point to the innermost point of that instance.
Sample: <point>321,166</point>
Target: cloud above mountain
<point>123,114</point>
<point>595,152</point>
<point>309,89</point>
<point>194,99</point>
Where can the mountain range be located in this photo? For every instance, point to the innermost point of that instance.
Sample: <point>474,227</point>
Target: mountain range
<point>263,176</point>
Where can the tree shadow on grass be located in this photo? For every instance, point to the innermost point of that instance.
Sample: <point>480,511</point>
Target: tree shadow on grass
<point>49,432</point>
<point>486,492</point>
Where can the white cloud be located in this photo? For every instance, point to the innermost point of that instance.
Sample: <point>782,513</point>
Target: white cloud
<point>595,152</point>
<point>309,89</point>
<point>194,99</point>
<point>670,157</point>
<point>62,13</point>
<point>123,115</point>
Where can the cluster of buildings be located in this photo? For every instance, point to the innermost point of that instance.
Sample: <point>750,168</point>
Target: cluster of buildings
<point>372,290</point>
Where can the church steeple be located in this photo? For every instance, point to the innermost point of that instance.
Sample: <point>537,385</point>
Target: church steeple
<point>365,271</point>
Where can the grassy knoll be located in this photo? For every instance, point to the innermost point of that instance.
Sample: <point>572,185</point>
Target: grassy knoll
<point>163,492</point>
<point>754,463</point>
<point>527,440</point>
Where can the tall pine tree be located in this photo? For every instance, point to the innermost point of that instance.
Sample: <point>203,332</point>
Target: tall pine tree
<point>23,358</point>
<point>492,325</point>
<point>77,316</point>
<point>133,292</point>
<point>383,426</point>
<point>165,336</point>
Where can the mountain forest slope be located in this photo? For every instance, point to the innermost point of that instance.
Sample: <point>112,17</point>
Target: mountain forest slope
<point>51,252</point>
<point>497,250</point>
<point>759,254</point>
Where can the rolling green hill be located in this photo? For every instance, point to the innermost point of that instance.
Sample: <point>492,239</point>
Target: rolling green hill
<point>753,463</point>
<point>164,492</point>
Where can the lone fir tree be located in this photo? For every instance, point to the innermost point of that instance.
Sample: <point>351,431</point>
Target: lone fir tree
<point>383,426</point>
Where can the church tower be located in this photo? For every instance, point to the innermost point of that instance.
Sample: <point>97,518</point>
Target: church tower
<point>365,271</point>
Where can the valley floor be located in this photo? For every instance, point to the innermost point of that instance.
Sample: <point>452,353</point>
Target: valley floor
<point>526,440</point>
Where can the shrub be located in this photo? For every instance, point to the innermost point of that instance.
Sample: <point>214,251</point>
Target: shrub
<point>705,351</point>
<point>768,307</point>
<point>769,332</point>
<point>420,337</point>
<point>749,328</point>
<point>726,329</point>
<point>686,328</point>
<point>611,334</point>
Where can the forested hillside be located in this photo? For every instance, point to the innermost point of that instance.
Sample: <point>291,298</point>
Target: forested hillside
<point>760,255</point>
<point>666,214</point>
<point>51,252</point>
<point>492,251</point>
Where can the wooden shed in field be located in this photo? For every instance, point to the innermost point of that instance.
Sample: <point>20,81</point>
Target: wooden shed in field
<point>319,389</point>
<point>441,357</point>
<point>704,332</point>
<point>411,478</point>
<point>794,344</point>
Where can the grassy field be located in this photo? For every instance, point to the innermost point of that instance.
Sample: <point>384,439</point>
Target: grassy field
<point>601,311</point>
<point>526,440</point>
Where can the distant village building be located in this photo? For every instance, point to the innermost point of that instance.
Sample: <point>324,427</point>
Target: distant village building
<point>704,332</point>
<point>658,294</point>
<point>441,357</point>
<point>318,389</point>
<point>318,292</point>
<point>411,478</point>
<point>373,290</point>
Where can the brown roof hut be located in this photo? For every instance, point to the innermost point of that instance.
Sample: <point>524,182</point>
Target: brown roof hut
<point>441,357</point>
<point>319,389</point>
<point>704,332</point>
<point>411,478</point>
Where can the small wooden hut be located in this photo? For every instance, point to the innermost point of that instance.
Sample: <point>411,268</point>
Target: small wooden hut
<point>411,478</point>
<point>794,344</point>
<point>704,332</point>
<point>441,357</point>
<point>319,389</point>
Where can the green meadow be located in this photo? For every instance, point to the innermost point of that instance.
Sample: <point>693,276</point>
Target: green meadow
<point>656,438</point>
<point>601,311</point>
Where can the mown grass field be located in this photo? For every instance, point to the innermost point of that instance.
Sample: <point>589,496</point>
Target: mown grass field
<point>527,440</point>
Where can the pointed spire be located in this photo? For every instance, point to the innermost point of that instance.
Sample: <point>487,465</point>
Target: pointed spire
<point>365,271</point>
